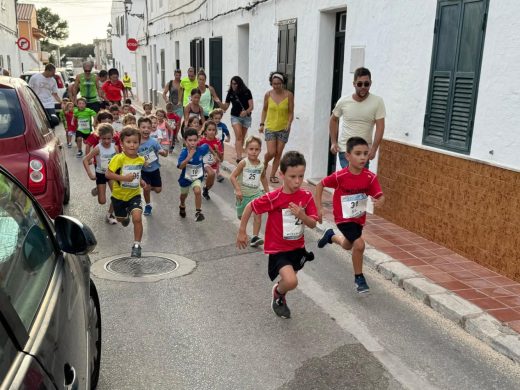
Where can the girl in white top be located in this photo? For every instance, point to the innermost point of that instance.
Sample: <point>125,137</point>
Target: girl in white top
<point>250,182</point>
<point>102,153</point>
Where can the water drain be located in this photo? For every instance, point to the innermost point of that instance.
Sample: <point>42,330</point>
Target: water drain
<point>150,267</point>
<point>141,267</point>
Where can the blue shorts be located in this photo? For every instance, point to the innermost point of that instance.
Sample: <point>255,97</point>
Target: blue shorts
<point>243,121</point>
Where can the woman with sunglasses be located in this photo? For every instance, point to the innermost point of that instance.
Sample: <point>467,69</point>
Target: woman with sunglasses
<point>242,105</point>
<point>360,112</point>
<point>277,117</point>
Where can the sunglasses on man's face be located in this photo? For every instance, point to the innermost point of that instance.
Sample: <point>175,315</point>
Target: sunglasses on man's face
<point>365,84</point>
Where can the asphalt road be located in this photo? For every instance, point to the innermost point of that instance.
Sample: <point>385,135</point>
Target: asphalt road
<point>214,329</point>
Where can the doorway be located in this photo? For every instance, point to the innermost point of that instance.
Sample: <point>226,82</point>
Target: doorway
<point>337,71</point>
<point>215,65</point>
<point>144,73</point>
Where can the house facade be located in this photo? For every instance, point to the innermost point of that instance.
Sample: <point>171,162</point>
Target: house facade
<point>28,27</point>
<point>9,54</point>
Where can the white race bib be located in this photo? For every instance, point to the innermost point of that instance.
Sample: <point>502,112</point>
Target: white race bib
<point>193,172</point>
<point>292,226</point>
<point>219,133</point>
<point>354,206</point>
<point>150,157</point>
<point>136,171</point>
<point>104,163</point>
<point>251,178</point>
<point>209,159</point>
<point>84,124</point>
<point>171,122</point>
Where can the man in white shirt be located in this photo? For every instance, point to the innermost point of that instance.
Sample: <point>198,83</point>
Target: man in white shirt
<point>359,112</point>
<point>45,87</point>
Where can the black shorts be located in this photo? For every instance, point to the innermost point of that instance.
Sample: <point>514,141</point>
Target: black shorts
<point>153,178</point>
<point>101,178</point>
<point>124,207</point>
<point>82,135</point>
<point>351,230</point>
<point>94,106</point>
<point>296,258</point>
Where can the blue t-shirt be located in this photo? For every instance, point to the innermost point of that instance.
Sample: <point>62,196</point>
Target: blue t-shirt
<point>223,131</point>
<point>195,168</point>
<point>149,150</point>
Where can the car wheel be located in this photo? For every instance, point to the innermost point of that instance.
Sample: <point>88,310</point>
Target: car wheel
<point>94,328</point>
<point>66,196</point>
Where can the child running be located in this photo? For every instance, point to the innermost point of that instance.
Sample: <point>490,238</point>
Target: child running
<point>213,158</point>
<point>84,117</point>
<point>71,122</point>
<point>174,121</point>
<point>150,149</point>
<point>147,108</point>
<point>192,175</point>
<point>125,169</point>
<point>246,179</point>
<point>222,133</point>
<point>162,124</point>
<point>117,123</point>
<point>352,186</point>
<point>129,120</point>
<point>102,153</point>
<point>289,209</point>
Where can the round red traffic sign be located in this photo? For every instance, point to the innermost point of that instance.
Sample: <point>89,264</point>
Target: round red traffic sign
<point>23,43</point>
<point>132,44</point>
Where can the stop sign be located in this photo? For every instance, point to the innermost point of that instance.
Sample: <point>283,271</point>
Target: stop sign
<point>132,44</point>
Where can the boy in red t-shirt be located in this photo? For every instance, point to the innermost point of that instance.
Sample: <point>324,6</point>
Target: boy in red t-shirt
<point>213,158</point>
<point>289,208</point>
<point>174,121</point>
<point>352,186</point>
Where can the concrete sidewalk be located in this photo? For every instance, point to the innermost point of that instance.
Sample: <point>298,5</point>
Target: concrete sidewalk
<point>482,302</point>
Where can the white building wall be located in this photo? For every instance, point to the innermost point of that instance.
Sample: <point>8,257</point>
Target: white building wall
<point>8,37</point>
<point>398,41</point>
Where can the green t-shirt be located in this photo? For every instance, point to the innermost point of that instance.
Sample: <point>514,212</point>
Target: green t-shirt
<point>187,85</point>
<point>84,118</point>
<point>88,88</point>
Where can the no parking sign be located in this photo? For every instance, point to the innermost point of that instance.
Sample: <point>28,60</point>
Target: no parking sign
<point>23,43</point>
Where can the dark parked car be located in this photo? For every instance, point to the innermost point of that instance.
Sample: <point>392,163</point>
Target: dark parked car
<point>29,149</point>
<point>50,320</point>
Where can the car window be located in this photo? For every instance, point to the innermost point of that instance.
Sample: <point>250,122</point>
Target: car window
<point>27,252</point>
<point>7,352</point>
<point>39,114</point>
<point>11,118</point>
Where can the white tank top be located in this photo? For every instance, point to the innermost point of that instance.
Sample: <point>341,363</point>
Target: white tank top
<point>105,154</point>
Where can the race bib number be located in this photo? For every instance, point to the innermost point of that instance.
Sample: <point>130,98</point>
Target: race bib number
<point>219,134</point>
<point>84,124</point>
<point>135,170</point>
<point>150,157</point>
<point>172,124</point>
<point>105,160</point>
<point>292,226</point>
<point>209,159</point>
<point>354,206</point>
<point>193,172</point>
<point>251,178</point>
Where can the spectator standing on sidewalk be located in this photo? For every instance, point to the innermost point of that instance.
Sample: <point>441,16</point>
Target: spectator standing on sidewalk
<point>171,93</point>
<point>278,114</point>
<point>360,111</point>
<point>44,85</point>
<point>87,85</point>
<point>127,82</point>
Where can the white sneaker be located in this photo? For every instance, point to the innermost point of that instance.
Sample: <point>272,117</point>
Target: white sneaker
<point>111,219</point>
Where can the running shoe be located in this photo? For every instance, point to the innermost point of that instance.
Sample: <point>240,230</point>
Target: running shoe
<point>256,241</point>
<point>279,305</point>
<point>182,211</point>
<point>125,222</point>
<point>205,193</point>
<point>361,283</point>
<point>199,216</point>
<point>111,219</point>
<point>220,178</point>
<point>326,238</point>
<point>94,191</point>
<point>69,145</point>
<point>79,154</point>
<point>147,209</point>
<point>136,250</point>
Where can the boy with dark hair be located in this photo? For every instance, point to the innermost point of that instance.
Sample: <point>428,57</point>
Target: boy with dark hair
<point>352,186</point>
<point>289,208</point>
<point>192,175</point>
<point>125,170</point>
<point>83,116</point>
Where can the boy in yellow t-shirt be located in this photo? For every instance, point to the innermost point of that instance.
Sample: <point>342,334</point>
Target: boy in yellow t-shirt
<point>125,171</point>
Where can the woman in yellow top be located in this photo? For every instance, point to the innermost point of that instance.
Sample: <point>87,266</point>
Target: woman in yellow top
<point>277,117</point>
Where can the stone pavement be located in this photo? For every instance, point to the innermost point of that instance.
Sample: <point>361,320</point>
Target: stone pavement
<point>484,303</point>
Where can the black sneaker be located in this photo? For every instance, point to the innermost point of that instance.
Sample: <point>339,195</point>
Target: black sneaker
<point>220,178</point>
<point>182,211</point>
<point>326,238</point>
<point>361,283</point>
<point>205,193</point>
<point>125,222</point>
<point>199,216</point>
<point>279,305</point>
<point>79,154</point>
<point>256,241</point>
<point>136,251</point>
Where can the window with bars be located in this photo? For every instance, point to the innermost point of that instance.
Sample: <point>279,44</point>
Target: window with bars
<point>456,59</point>
<point>287,51</point>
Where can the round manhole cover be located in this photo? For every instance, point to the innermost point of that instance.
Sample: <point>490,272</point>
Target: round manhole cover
<point>143,266</point>
<point>151,267</point>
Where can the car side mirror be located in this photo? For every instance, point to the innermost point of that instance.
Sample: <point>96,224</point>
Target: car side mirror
<point>54,120</point>
<point>73,236</point>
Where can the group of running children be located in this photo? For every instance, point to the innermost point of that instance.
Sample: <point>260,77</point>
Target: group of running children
<point>128,160</point>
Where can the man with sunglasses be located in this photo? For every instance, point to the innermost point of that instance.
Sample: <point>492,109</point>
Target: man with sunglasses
<point>360,112</point>
<point>86,84</point>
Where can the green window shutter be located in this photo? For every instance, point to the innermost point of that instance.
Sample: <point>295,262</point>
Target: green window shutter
<point>287,52</point>
<point>456,59</point>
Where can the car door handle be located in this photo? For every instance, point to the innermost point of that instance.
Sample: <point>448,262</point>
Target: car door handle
<point>71,379</point>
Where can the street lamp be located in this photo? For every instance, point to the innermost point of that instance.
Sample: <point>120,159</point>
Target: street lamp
<point>128,8</point>
<point>109,30</point>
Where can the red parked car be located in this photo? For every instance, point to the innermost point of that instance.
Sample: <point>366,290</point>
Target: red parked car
<point>29,149</point>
